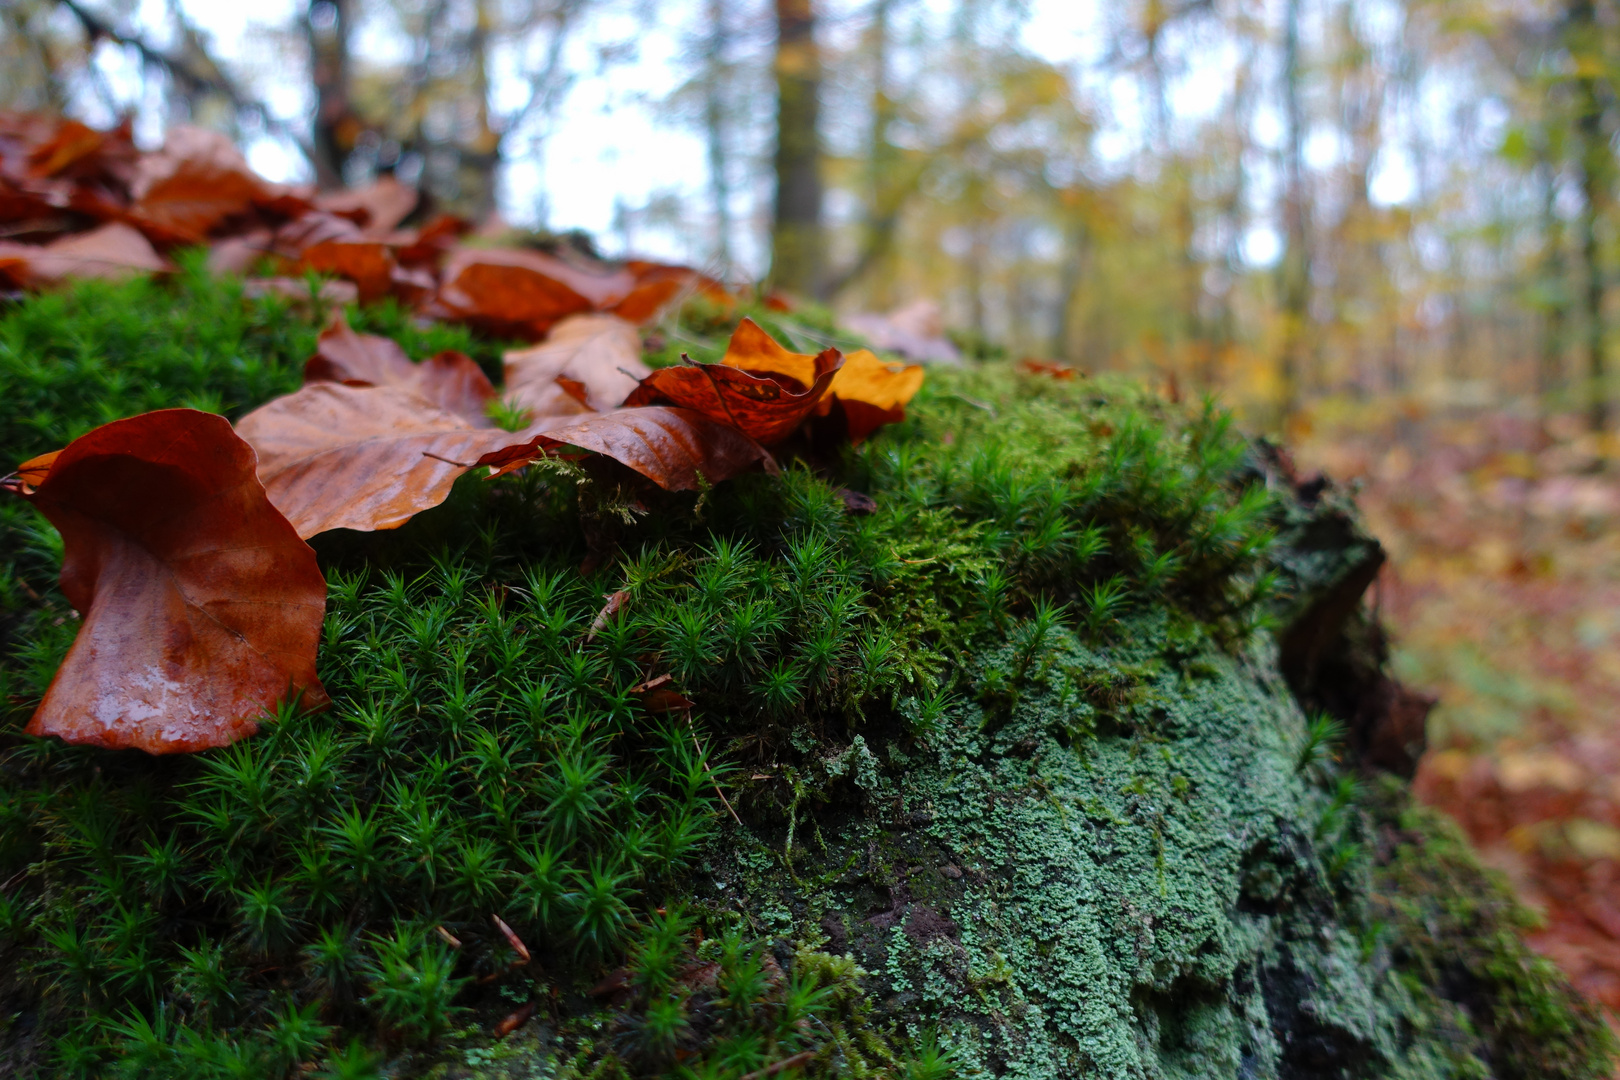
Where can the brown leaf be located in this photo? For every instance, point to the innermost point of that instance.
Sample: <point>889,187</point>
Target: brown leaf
<point>367,263</point>
<point>600,352</point>
<point>516,1019</point>
<point>759,388</point>
<point>451,380</point>
<point>671,447</point>
<point>1058,371</point>
<point>660,696</point>
<point>378,208</point>
<point>615,601</point>
<point>362,457</point>
<point>239,254</point>
<point>201,605</point>
<point>110,251</point>
<point>427,245</point>
<point>519,293</point>
<point>513,940</point>
<point>193,185</point>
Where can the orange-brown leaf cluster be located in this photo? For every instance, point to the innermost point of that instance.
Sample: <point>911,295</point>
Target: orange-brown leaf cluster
<point>76,202</point>
<point>185,540</point>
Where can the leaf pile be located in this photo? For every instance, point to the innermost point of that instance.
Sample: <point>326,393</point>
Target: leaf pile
<point>202,605</point>
<point>76,202</point>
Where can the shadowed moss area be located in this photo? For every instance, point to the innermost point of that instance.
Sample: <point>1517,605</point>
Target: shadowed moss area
<point>1018,787</point>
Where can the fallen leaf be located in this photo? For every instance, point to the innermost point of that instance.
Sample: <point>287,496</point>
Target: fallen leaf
<point>600,352</point>
<point>30,474</point>
<point>72,143</point>
<point>513,940</point>
<point>201,605</point>
<point>760,388</point>
<point>451,380</point>
<point>1061,372</point>
<point>871,392</point>
<point>429,244</point>
<point>520,293</point>
<point>857,502</point>
<point>110,251</point>
<point>660,696</point>
<point>362,457</point>
<point>615,601</point>
<point>331,293</point>
<point>916,330</point>
<point>378,208</point>
<point>194,184</point>
<point>516,1019</point>
<point>671,447</point>
<point>239,254</point>
<point>367,263</point>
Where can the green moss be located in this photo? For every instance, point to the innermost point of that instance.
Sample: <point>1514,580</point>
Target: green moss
<point>1015,746</point>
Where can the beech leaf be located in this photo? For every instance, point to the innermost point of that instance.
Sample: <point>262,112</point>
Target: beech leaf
<point>362,457</point>
<point>872,392</point>
<point>602,353</point>
<point>451,380</point>
<point>671,447</point>
<point>760,388</point>
<point>201,605</point>
<point>110,251</point>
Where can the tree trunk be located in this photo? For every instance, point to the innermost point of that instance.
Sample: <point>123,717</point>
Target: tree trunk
<point>327,24</point>
<point>714,129</point>
<point>1595,169</point>
<point>1294,270</point>
<point>796,237</point>
<point>1555,314</point>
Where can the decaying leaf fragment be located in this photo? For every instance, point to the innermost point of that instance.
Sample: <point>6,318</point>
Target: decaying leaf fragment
<point>450,380</point>
<point>601,353</point>
<point>201,605</point>
<point>871,392</point>
<point>362,457</point>
<point>760,388</point>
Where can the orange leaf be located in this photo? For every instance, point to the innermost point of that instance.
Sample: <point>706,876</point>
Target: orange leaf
<point>872,392</point>
<point>671,447</point>
<point>378,208</point>
<point>201,605</point>
<point>30,474</point>
<point>766,406</point>
<point>451,380</point>
<point>361,457</point>
<point>600,352</point>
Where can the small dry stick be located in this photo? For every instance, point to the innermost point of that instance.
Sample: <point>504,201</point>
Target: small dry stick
<point>712,780</point>
<point>803,1057</point>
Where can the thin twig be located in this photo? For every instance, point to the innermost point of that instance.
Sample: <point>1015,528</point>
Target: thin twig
<point>803,1057</point>
<point>712,780</point>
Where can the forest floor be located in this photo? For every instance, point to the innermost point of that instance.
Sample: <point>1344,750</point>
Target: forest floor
<point>1503,589</point>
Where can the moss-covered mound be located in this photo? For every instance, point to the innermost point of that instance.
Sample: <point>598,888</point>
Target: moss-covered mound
<point>1007,776</point>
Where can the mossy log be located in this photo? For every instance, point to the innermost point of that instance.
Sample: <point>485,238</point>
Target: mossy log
<point>1045,735</point>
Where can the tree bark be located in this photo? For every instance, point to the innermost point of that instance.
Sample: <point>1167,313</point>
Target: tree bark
<point>715,133</point>
<point>796,237</point>
<point>327,24</point>
<point>1294,270</point>
<point>1596,168</point>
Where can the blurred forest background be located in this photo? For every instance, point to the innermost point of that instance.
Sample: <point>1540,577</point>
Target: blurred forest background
<point>1382,230</point>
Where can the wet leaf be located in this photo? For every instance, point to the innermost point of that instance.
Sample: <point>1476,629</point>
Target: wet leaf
<point>192,186</point>
<point>760,388</point>
<point>451,380</point>
<point>671,447</point>
<point>519,293</point>
<point>377,208</point>
<point>201,605</point>
<point>602,353</point>
<point>367,263</point>
<point>362,457</point>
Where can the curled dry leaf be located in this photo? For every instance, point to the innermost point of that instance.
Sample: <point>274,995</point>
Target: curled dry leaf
<point>367,263</point>
<point>522,293</point>
<point>193,185</point>
<point>673,448</point>
<point>201,605</point>
<point>615,601</point>
<point>451,380</point>
<point>378,208</point>
<point>602,353</point>
<point>362,457</point>
<point>760,388</point>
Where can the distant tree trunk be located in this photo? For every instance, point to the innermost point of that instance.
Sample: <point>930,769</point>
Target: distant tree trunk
<point>1076,254</point>
<point>1596,163</point>
<point>479,156</point>
<point>714,130</point>
<point>1555,315</point>
<point>327,24</point>
<point>796,235</point>
<point>1294,270</point>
